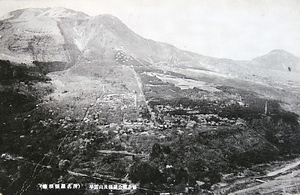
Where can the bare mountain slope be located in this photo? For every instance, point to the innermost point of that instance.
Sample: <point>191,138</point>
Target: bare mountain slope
<point>58,34</point>
<point>90,44</point>
<point>58,38</point>
<point>33,34</point>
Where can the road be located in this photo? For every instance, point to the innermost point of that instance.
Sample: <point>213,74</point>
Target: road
<point>283,180</point>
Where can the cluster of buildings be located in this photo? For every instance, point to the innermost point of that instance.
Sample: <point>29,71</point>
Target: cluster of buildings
<point>169,116</point>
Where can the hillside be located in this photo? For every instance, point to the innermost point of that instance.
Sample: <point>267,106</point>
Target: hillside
<point>59,34</point>
<point>85,100</point>
<point>278,60</point>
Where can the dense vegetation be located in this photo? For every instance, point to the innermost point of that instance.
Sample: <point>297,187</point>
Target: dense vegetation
<point>240,129</point>
<point>197,138</point>
<point>46,67</point>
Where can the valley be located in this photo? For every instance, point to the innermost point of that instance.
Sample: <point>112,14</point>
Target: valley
<point>115,108</point>
<point>198,131</point>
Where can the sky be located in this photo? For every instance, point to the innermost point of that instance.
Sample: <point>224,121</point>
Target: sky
<point>235,29</point>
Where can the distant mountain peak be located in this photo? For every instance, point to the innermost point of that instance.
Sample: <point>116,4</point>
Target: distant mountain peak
<point>109,20</point>
<point>282,53</point>
<point>58,12</point>
<point>53,12</point>
<point>278,59</point>
<point>278,51</point>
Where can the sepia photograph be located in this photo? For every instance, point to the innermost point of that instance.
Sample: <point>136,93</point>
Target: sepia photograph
<point>162,97</point>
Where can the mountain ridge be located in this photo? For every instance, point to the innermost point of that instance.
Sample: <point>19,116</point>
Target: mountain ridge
<point>123,37</point>
<point>74,40</point>
<point>56,12</point>
<point>42,22</point>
